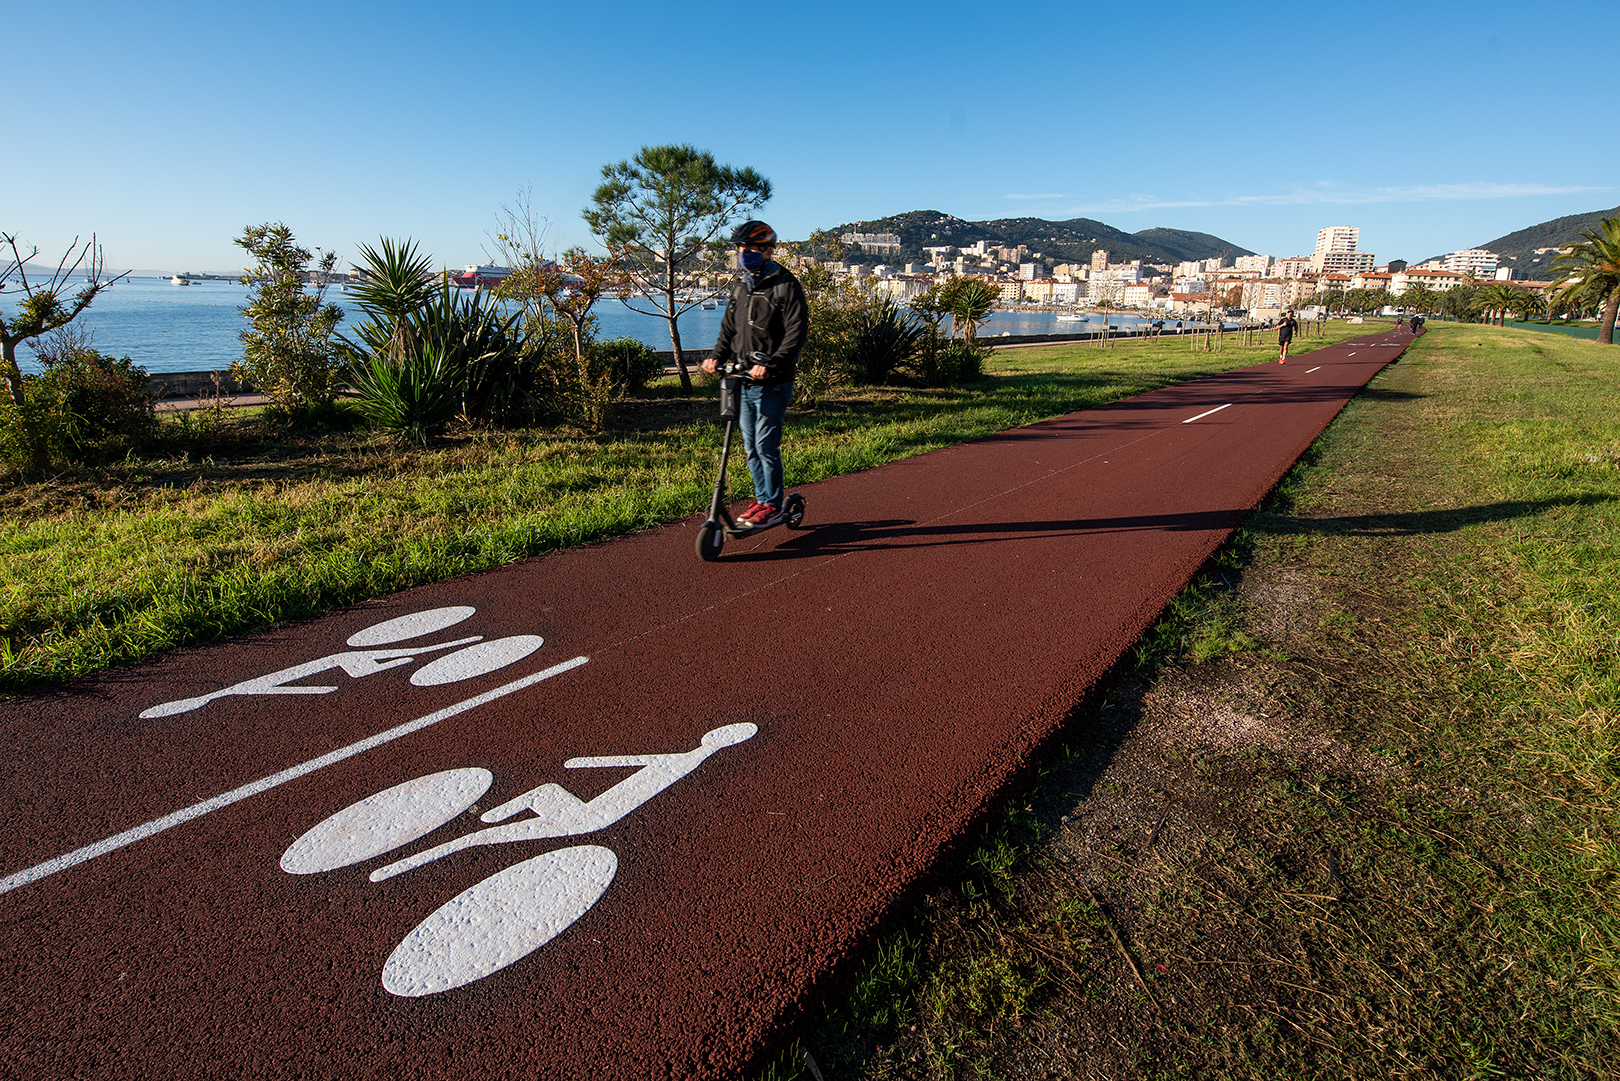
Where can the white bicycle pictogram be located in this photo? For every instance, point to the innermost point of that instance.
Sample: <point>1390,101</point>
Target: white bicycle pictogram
<point>514,912</point>
<point>472,657</point>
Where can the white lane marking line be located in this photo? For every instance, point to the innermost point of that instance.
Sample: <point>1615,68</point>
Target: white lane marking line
<point>1201,416</point>
<point>197,810</point>
<point>1351,353</point>
<point>1315,369</point>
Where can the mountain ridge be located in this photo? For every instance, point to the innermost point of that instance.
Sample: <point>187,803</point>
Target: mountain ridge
<point>1069,241</point>
<point>1518,248</point>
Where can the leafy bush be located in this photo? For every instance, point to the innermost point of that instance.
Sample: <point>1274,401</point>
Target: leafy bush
<point>88,407</point>
<point>287,349</point>
<point>633,362</point>
<point>946,362</point>
<point>822,361</point>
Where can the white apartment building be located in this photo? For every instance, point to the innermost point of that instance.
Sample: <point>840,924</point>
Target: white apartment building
<point>1130,272</point>
<point>1336,251</point>
<point>1337,238</point>
<point>1297,267</point>
<point>1262,263</point>
<point>874,243</point>
<point>1481,262</point>
<point>1099,259</point>
<point>937,255</point>
<point>1030,271</point>
<point>904,287</point>
<point>1440,281</point>
<point>1069,292</point>
<point>1345,262</point>
<point>1192,268</point>
<point>1138,296</point>
<point>1212,264</point>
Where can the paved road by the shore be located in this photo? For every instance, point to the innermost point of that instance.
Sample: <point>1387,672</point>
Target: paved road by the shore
<point>608,813</point>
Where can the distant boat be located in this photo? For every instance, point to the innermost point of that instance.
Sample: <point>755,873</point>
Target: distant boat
<point>709,305</point>
<point>480,276</point>
<point>178,280</point>
<point>1065,318</point>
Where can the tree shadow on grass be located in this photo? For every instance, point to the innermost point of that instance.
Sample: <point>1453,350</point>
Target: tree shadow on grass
<point>1445,520</point>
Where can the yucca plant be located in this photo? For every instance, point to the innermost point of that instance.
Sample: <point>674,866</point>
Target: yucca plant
<point>413,394</point>
<point>885,336</point>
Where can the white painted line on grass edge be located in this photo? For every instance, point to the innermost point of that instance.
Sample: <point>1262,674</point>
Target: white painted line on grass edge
<point>1201,416</point>
<point>197,810</point>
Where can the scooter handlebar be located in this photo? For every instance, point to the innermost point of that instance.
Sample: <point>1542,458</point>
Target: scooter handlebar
<point>739,367</point>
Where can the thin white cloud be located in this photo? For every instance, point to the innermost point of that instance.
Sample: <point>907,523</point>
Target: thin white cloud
<point>1326,194</point>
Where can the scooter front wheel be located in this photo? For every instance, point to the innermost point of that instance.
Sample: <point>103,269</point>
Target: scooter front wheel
<point>710,539</point>
<point>793,511</point>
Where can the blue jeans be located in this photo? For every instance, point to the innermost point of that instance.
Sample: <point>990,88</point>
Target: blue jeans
<point>760,417</point>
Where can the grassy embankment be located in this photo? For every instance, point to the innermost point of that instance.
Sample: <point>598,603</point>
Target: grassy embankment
<point>1351,811</point>
<point>109,566</point>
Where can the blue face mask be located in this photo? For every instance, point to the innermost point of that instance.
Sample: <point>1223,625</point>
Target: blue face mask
<point>751,260</point>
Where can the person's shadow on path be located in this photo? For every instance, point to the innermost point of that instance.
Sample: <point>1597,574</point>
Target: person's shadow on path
<point>845,538</point>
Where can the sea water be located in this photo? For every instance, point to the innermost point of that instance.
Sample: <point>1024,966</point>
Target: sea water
<point>196,328</point>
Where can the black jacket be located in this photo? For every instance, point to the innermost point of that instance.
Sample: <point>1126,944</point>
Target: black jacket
<point>767,314</point>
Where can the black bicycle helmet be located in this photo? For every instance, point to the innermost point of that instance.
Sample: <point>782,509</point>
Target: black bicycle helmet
<point>754,232</point>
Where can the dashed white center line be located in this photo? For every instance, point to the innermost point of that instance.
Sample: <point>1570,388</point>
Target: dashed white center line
<point>1315,369</point>
<point>1351,353</point>
<point>1201,416</point>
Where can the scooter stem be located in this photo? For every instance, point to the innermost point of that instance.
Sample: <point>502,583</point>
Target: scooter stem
<point>717,510</point>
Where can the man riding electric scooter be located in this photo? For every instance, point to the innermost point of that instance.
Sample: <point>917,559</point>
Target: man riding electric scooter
<point>767,317</point>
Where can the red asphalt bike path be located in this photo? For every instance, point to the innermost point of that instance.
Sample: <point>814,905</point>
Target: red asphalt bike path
<point>476,855</point>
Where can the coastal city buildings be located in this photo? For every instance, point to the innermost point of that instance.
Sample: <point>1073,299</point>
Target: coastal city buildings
<point>1253,283</point>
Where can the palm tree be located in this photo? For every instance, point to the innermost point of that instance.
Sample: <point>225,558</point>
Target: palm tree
<point>1499,298</point>
<point>1592,269</point>
<point>1421,299</point>
<point>969,301</point>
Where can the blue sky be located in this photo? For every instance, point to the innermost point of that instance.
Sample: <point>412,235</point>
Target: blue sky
<point>165,128</point>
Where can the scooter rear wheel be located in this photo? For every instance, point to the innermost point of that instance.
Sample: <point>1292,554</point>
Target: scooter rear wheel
<point>710,539</point>
<point>793,511</point>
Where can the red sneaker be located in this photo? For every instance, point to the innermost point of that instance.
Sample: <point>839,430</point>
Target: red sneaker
<point>744,516</point>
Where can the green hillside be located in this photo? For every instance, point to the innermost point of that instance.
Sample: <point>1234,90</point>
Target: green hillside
<point>1518,250</point>
<point>1070,241</point>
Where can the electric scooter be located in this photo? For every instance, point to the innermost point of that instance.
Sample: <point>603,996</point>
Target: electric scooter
<point>721,525</point>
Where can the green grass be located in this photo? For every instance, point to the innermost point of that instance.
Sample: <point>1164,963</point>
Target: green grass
<point>118,564</point>
<point>1409,868</point>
